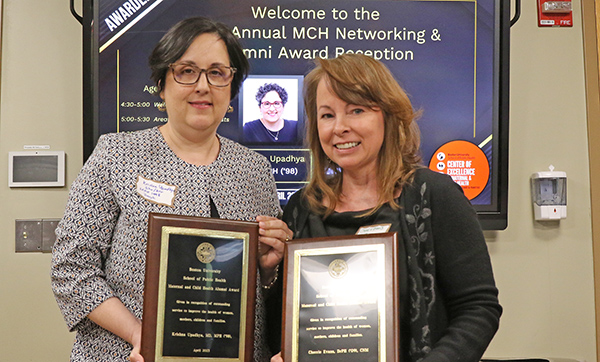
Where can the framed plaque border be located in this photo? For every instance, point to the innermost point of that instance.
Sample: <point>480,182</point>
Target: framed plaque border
<point>158,224</point>
<point>295,249</point>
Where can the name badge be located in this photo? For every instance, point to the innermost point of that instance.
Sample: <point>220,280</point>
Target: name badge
<point>157,192</point>
<point>374,229</point>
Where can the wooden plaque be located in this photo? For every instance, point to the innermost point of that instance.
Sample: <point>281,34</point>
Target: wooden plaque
<point>200,289</point>
<point>341,299</point>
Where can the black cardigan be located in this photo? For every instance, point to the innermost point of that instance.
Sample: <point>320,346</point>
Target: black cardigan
<point>454,301</point>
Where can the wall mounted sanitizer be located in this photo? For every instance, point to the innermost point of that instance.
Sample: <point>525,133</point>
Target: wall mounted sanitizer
<point>549,194</point>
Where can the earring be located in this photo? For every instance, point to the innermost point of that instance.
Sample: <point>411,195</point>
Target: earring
<point>229,109</point>
<point>162,107</point>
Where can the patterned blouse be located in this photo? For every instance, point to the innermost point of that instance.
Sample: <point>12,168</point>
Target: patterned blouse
<point>101,241</point>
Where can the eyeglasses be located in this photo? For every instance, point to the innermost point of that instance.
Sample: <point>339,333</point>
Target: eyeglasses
<point>188,74</point>
<point>276,104</point>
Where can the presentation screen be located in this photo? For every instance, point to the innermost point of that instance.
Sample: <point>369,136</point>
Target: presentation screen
<point>450,56</point>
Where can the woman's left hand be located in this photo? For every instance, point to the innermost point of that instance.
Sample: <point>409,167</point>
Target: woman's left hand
<point>272,235</point>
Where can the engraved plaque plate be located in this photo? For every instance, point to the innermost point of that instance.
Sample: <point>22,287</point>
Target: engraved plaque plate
<point>341,299</point>
<point>199,290</point>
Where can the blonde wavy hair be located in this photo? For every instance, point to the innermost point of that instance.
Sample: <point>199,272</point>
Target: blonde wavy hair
<point>361,80</point>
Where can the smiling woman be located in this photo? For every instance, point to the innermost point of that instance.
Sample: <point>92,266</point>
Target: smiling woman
<point>196,106</point>
<point>366,176</point>
<point>350,135</point>
<point>345,106</point>
<point>182,167</point>
<point>271,127</point>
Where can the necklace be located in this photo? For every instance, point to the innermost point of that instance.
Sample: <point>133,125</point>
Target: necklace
<point>274,135</point>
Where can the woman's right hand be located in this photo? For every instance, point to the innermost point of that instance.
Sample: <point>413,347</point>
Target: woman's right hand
<point>277,358</point>
<point>135,355</point>
<point>113,316</point>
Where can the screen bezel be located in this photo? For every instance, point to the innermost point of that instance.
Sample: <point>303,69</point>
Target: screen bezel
<point>492,216</point>
<point>59,165</point>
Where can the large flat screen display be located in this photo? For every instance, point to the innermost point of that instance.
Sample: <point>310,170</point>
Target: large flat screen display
<point>450,56</point>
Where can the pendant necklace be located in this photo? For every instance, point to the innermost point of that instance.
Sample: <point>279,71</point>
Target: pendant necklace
<point>275,136</point>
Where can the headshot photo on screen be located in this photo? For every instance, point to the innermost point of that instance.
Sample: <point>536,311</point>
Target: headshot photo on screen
<point>270,110</point>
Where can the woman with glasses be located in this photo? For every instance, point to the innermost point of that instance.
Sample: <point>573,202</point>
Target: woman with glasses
<point>182,167</point>
<point>271,127</point>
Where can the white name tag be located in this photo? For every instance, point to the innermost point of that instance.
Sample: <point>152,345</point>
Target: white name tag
<point>157,192</point>
<point>374,229</point>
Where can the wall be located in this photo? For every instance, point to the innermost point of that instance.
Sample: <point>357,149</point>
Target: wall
<point>592,71</point>
<point>544,270</point>
<point>40,104</point>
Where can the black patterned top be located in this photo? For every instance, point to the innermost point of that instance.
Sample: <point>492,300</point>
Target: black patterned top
<point>101,241</point>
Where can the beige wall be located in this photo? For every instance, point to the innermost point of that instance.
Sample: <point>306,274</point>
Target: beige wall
<point>544,270</point>
<point>40,104</point>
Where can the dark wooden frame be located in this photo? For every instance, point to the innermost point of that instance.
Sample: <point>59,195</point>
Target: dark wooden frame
<point>157,223</point>
<point>296,249</point>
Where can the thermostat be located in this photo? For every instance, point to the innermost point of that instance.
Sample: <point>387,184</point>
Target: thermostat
<point>36,169</point>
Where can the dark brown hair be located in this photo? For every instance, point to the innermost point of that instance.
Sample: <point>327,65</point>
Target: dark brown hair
<point>178,39</point>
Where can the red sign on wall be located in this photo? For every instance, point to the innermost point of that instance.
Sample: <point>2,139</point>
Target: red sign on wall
<point>555,13</point>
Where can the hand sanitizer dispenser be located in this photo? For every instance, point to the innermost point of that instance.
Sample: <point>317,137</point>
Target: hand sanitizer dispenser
<point>549,194</point>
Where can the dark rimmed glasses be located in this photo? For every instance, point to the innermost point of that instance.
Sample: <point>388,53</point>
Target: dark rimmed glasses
<point>189,74</point>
